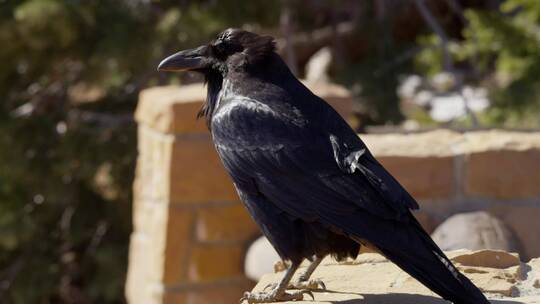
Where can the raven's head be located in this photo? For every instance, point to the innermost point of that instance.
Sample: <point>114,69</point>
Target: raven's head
<point>232,49</point>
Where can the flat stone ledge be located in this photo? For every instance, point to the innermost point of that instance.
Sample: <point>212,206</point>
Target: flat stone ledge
<point>371,279</point>
<point>443,142</point>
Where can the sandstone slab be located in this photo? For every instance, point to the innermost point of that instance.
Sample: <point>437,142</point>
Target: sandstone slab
<point>371,279</point>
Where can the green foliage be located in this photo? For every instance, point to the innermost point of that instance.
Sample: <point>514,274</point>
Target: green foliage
<point>71,72</point>
<point>504,48</point>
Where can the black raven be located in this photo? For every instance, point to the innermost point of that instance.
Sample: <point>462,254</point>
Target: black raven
<point>305,176</point>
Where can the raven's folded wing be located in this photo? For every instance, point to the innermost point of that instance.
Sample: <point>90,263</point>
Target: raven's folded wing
<point>306,162</point>
<point>307,180</point>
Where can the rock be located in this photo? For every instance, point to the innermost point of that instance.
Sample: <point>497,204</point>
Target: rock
<point>371,279</point>
<point>317,66</point>
<point>260,259</point>
<point>475,230</point>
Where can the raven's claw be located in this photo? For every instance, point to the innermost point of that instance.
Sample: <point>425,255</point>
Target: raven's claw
<point>274,296</point>
<point>314,284</point>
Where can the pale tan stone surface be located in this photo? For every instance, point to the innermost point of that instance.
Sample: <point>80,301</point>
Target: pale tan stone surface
<point>437,143</point>
<point>152,176</point>
<point>501,140</point>
<point>371,279</point>
<point>141,284</point>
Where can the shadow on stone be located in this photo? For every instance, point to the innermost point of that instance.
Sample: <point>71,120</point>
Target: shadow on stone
<point>405,298</point>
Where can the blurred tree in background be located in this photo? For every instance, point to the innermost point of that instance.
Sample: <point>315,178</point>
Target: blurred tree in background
<point>498,49</point>
<point>71,72</point>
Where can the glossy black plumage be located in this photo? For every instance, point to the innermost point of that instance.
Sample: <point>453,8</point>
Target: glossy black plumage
<point>304,175</point>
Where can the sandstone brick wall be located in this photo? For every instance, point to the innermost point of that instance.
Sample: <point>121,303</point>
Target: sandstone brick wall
<point>191,232</point>
<point>449,172</point>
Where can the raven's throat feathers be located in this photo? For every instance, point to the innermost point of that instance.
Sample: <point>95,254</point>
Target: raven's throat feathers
<point>214,81</point>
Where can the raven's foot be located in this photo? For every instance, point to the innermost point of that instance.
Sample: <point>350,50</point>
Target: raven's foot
<point>276,295</point>
<point>313,284</point>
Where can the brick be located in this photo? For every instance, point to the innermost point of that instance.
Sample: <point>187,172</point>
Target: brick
<point>175,298</point>
<point>503,174</point>
<point>215,262</point>
<point>225,223</point>
<point>423,177</point>
<point>523,221</point>
<point>179,238</point>
<point>172,109</point>
<point>202,294</point>
<point>197,174</point>
<point>165,233</point>
<point>219,295</point>
<point>184,170</point>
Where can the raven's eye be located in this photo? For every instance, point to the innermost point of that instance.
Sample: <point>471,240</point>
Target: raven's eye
<point>219,49</point>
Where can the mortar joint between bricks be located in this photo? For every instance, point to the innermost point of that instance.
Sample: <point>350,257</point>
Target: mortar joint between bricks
<point>459,164</point>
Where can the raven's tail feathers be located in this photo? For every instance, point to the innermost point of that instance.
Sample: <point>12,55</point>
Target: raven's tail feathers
<point>429,265</point>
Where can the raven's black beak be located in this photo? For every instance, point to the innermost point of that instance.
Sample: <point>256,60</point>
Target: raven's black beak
<point>183,60</point>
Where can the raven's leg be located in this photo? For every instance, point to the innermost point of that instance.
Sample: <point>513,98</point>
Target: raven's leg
<point>304,282</point>
<point>278,292</point>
